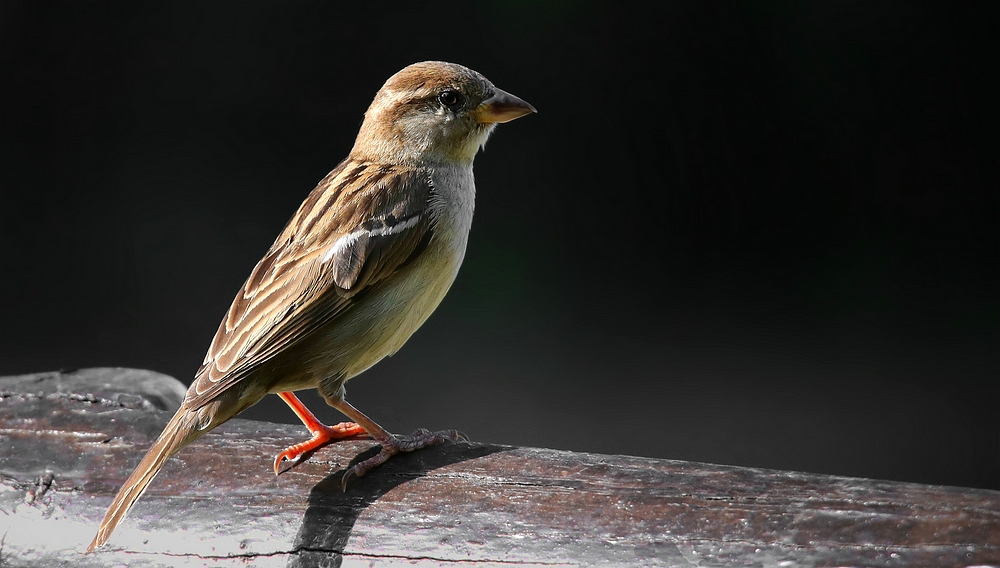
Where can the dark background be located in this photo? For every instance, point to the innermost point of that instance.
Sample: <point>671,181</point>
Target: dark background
<point>762,233</point>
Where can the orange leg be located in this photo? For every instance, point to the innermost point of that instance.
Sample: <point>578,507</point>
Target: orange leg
<point>321,433</point>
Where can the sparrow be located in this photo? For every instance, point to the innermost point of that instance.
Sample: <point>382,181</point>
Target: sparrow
<point>364,261</point>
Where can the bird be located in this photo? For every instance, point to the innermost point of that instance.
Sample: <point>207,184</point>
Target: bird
<point>360,266</point>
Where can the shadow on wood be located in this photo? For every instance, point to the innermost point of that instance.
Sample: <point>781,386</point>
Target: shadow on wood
<point>68,440</point>
<point>332,512</point>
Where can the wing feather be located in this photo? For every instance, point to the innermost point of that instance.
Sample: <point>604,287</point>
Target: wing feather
<point>362,223</point>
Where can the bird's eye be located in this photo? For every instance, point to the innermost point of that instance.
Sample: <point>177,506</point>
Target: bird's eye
<point>450,98</point>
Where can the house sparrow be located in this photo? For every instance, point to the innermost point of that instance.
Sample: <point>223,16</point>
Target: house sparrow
<point>360,266</point>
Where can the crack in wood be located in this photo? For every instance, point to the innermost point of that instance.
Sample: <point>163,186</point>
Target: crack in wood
<point>333,552</point>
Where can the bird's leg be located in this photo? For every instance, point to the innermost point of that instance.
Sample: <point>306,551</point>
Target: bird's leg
<point>391,443</point>
<point>321,433</point>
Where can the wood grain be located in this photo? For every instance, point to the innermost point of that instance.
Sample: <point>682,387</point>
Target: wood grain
<point>67,440</point>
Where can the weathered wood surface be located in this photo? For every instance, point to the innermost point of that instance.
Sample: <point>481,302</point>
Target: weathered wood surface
<point>67,440</point>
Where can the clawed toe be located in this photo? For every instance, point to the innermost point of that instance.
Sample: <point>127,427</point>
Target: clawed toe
<point>322,436</point>
<point>457,435</point>
<point>285,461</point>
<point>420,438</point>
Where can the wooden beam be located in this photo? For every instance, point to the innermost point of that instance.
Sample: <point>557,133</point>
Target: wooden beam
<point>67,440</point>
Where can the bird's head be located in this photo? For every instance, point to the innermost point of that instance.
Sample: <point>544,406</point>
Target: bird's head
<point>434,112</point>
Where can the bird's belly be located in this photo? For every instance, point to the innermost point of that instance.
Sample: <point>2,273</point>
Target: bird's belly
<point>404,305</point>
<point>376,326</point>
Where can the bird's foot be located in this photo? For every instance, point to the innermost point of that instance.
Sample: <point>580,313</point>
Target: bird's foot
<point>419,439</point>
<point>322,435</point>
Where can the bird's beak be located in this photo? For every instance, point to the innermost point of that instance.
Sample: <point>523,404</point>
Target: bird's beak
<point>502,107</point>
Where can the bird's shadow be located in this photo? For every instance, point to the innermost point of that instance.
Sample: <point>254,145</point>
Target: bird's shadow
<point>331,512</point>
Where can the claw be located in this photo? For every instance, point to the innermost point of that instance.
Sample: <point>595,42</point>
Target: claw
<point>420,438</point>
<point>343,480</point>
<point>279,463</point>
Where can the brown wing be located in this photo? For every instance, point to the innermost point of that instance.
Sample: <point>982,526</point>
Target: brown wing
<point>362,223</point>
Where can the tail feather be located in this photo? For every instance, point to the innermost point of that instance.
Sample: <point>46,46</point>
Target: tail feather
<point>179,432</point>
